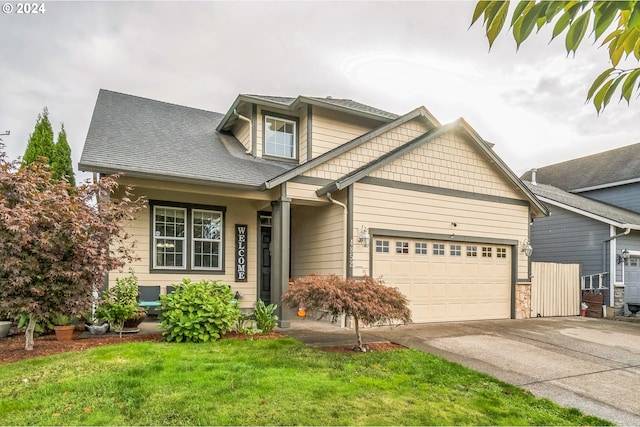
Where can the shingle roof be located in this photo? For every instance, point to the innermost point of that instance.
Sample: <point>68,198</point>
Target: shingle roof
<point>613,166</point>
<point>607,213</point>
<point>144,137</point>
<point>344,103</point>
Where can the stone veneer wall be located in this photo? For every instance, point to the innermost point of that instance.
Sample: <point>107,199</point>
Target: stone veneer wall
<point>523,300</point>
<point>618,300</point>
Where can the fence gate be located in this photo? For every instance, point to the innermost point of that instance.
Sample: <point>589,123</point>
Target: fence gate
<point>555,289</point>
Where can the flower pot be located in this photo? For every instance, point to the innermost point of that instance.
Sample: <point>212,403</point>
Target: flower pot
<point>135,322</point>
<point>64,333</point>
<point>5,325</point>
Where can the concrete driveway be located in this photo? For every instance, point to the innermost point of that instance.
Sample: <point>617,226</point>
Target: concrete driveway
<point>589,364</point>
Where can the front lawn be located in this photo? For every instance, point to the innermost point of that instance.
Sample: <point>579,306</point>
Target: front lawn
<point>263,382</point>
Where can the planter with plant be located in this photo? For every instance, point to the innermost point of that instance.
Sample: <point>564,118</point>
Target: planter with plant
<point>63,327</point>
<point>119,303</point>
<point>5,324</point>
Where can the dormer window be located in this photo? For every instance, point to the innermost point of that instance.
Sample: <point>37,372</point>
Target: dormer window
<point>280,137</point>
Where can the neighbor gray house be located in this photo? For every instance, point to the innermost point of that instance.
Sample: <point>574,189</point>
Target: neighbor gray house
<point>594,220</point>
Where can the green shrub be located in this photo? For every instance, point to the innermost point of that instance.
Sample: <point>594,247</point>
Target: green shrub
<point>119,303</point>
<point>198,312</point>
<point>265,317</point>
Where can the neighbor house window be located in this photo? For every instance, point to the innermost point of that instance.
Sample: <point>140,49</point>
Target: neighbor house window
<point>438,249</point>
<point>421,248</point>
<point>382,246</point>
<point>187,237</point>
<point>455,250</point>
<point>279,137</point>
<point>501,252</point>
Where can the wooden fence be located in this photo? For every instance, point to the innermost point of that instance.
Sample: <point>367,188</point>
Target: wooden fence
<point>555,289</point>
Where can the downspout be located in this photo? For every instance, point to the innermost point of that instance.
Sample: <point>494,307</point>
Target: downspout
<point>246,119</point>
<point>344,245</point>
<point>612,274</point>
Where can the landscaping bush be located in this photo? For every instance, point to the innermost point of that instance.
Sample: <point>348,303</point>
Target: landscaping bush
<point>198,312</point>
<point>265,317</point>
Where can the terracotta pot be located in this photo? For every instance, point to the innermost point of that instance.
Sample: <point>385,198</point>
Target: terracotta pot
<point>64,333</point>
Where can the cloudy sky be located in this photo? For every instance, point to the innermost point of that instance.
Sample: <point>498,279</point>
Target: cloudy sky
<point>392,55</point>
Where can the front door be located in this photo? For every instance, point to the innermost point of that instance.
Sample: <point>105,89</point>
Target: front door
<point>265,265</point>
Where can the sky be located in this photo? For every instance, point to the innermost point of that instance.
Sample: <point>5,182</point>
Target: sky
<point>392,55</point>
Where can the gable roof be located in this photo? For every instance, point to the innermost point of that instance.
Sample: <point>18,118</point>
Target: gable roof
<point>418,112</point>
<point>288,103</point>
<point>601,170</point>
<point>585,206</point>
<point>153,139</point>
<point>459,124</point>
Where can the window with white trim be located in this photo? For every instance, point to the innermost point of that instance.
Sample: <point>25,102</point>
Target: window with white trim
<point>186,237</point>
<point>169,237</point>
<point>279,137</point>
<point>421,248</point>
<point>486,252</point>
<point>501,252</point>
<point>207,240</point>
<point>472,251</point>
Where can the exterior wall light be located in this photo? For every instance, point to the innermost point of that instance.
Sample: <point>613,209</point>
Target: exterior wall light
<point>526,247</point>
<point>623,257</point>
<point>364,236</point>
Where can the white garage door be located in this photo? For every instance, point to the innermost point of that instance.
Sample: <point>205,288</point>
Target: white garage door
<point>447,281</point>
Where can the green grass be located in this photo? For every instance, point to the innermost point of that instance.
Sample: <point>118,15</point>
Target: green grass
<point>262,382</point>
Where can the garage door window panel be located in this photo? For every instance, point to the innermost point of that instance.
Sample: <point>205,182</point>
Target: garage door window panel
<point>402,247</point>
<point>472,251</point>
<point>438,249</point>
<point>487,252</point>
<point>455,250</point>
<point>421,248</point>
<point>382,246</point>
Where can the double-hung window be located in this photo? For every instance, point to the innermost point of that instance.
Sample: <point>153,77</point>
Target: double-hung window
<point>279,137</point>
<point>169,237</point>
<point>187,238</point>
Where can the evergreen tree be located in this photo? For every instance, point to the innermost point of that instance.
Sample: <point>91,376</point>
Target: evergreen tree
<point>40,141</point>
<point>61,162</point>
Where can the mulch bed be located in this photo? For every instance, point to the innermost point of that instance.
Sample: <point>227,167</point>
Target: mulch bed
<point>12,348</point>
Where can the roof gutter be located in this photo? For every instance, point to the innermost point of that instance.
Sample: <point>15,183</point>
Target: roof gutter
<point>246,119</point>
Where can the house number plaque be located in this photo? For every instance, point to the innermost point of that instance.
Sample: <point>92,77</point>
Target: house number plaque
<point>241,252</point>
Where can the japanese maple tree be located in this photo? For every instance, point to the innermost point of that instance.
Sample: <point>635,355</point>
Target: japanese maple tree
<point>365,300</point>
<point>58,242</point>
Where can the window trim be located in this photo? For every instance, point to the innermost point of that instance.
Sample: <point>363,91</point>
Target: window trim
<point>296,135</point>
<point>188,239</point>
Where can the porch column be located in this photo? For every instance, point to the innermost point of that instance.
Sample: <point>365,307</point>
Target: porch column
<point>280,238</point>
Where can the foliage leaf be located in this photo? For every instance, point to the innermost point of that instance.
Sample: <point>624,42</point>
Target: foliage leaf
<point>630,84</point>
<point>576,32</point>
<point>598,81</point>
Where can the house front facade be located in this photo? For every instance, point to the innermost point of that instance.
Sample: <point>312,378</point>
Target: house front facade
<point>594,204</point>
<point>279,188</point>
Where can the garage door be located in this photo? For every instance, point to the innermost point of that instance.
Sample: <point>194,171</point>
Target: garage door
<point>447,281</point>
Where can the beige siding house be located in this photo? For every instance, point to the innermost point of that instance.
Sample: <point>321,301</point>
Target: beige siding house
<point>318,185</point>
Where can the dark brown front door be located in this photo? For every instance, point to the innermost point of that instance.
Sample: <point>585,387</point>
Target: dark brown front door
<point>265,264</point>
